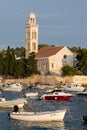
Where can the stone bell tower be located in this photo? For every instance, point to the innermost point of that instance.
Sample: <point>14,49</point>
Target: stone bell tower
<point>31,35</point>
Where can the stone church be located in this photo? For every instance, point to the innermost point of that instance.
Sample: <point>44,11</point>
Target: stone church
<point>49,59</point>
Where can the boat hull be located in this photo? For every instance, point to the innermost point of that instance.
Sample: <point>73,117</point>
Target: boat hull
<point>39,116</point>
<point>13,89</point>
<point>28,95</point>
<point>8,104</point>
<point>16,87</point>
<point>59,98</point>
<point>74,89</point>
<point>82,93</point>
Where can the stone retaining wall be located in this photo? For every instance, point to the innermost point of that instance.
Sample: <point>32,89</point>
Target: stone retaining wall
<point>48,79</point>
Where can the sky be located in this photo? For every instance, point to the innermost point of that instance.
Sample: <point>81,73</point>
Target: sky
<point>61,22</point>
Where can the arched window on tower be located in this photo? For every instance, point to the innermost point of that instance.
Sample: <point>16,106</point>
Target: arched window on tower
<point>33,21</point>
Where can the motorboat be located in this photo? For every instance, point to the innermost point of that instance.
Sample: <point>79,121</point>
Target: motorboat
<point>60,96</point>
<point>57,115</point>
<point>84,93</point>
<point>44,86</point>
<point>31,94</point>
<point>10,103</point>
<point>74,87</point>
<point>17,87</point>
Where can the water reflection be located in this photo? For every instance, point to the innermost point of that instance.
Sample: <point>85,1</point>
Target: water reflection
<point>38,125</point>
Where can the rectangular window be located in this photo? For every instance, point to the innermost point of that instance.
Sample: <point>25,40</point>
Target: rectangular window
<point>28,46</point>
<point>33,46</point>
<point>33,35</point>
<point>52,65</point>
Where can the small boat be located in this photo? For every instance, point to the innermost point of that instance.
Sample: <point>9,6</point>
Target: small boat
<point>16,87</point>
<point>44,86</point>
<point>31,94</point>
<point>60,96</point>
<point>57,115</point>
<point>84,93</point>
<point>84,119</point>
<point>74,87</point>
<point>10,103</point>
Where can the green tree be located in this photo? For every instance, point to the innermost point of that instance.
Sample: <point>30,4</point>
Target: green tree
<point>19,71</point>
<point>12,62</point>
<point>20,52</point>
<point>16,70</point>
<point>82,60</point>
<point>1,64</point>
<point>69,71</point>
<point>43,45</point>
<point>7,62</point>
<point>31,65</point>
<point>74,49</point>
<point>11,67</point>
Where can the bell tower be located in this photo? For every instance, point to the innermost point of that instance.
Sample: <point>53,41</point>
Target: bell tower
<point>31,35</point>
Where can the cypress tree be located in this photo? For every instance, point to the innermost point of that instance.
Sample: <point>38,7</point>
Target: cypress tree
<point>1,64</point>
<point>7,62</point>
<point>12,62</point>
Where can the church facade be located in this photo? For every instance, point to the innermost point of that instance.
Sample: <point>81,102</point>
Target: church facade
<point>49,59</point>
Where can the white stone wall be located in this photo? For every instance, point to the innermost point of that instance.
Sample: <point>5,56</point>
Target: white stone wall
<point>80,79</point>
<point>43,65</point>
<point>56,62</point>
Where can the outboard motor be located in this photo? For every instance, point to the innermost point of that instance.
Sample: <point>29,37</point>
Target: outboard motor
<point>16,109</point>
<point>85,119</point>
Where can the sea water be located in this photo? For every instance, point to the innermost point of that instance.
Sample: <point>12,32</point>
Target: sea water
<point>76,108</point>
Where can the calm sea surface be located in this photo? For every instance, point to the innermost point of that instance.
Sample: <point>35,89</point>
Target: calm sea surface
<point>76,108</point>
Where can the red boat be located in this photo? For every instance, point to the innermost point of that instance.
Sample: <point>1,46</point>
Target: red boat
<point>60,96</point>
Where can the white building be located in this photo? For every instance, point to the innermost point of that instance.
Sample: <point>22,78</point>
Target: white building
<point>49,59</point>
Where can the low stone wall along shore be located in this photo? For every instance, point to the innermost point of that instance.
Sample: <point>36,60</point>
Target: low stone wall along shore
<point>47,79</point>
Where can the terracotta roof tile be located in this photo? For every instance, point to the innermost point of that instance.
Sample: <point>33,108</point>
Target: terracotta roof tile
<point>48,51</point>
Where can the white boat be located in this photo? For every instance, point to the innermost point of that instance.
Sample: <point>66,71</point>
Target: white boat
<point>17,87</point>
<point>74,87</point>
<point>45,86</point>
<point>82,93</point>
<point>10,103</point>
<point>31,94</point>
<point>39,116</point>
